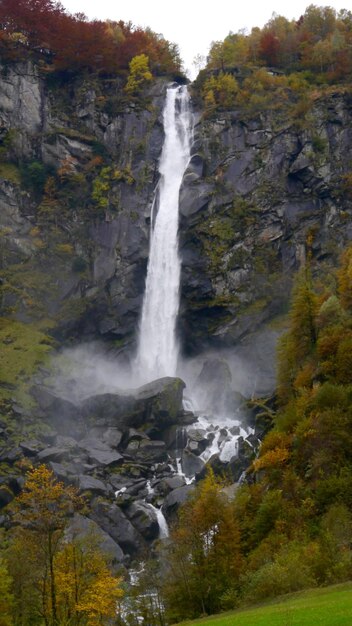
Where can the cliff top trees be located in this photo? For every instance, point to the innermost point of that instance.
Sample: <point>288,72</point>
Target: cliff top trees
<point>74,43</point>
<point>320,41</point>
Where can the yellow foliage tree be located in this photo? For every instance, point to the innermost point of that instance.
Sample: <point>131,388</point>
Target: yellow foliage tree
<point>220,91</point>
<point>88,593</point>
<point>139,74</point>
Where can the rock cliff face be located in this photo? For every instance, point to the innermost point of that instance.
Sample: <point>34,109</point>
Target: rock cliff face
<point>73,131</point>
<point>258,196</point>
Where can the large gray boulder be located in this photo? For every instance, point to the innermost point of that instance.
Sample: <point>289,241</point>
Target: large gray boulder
<point>64,416</point>
<point>191,464</point>
<point>113,521</point>
<point>176,498</point>
<point>100,453</point>
<point>82,527</point>
<point>158,402</point>
<point>143,517</point>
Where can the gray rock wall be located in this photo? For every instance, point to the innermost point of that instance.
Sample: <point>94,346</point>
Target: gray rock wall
<point>260,195</point>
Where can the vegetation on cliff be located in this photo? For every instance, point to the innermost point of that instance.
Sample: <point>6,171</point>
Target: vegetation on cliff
<point>285,64</point>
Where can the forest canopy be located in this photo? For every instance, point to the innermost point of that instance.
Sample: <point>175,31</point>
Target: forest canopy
<point>73,43</point>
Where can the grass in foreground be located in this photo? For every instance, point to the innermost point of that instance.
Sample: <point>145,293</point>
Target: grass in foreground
<point>331,606</point>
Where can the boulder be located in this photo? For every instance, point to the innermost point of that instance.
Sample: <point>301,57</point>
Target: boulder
<point>82,526</point>
<point>93,485</point>
<point>144,519</point>
<point>100,453</point>
<point>31,448</point>
<point>175,498</point>
<point>113,521</point>
<point>159,401</point>
<point>60,413</point>
<point>54,453</point>
<point>147,451</point>
<point>197,441</point>
<point>191,464</point>
<point>166,485</point>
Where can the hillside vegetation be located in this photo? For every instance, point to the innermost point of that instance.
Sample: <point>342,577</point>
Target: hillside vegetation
<point>289,526</point>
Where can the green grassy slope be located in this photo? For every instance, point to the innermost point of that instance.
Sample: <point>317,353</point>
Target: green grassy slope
<point>331,606</point>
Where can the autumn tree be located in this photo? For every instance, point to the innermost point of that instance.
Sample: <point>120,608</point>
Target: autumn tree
<point>204,554</point>
<point>60,576</point>
<point>41,513</point>
<point>220,91</point>
<point>87,591</point>
<point>139,74</point>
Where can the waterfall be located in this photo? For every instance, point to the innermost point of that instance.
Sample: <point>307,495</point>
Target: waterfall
<point>158,347</point>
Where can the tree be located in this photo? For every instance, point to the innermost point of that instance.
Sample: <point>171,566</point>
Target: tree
<point>299,342</point>
<point>87,591</point>
<point>204,554</point>
<point>139,74</point>
<point>220,91</point>
<point>41,512</point>
<point>58,577</point>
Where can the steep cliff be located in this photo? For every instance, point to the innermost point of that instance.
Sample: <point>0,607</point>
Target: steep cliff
<point>260,193</point>
<point>78,170</point>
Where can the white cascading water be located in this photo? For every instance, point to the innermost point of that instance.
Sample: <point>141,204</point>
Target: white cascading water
<point>158,347</point>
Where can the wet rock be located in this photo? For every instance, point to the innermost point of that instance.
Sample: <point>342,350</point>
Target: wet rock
<point>191,464</point>
<point>197,441</point>
<point>144,518</point>
<point>113,521</point>
<point>100,453</point>
<point>159,402</point>
<point>194,195</point>
<point>166,485</point>
<point>147,451</point>
<point>176,498</point>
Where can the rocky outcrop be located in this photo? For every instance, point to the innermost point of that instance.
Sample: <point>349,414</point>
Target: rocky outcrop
<point>115,449</point>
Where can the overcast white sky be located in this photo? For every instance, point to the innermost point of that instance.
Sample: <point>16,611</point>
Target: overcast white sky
<point>194,24</point>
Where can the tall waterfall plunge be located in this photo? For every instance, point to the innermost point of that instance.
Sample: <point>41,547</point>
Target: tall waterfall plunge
<point>158,347</point>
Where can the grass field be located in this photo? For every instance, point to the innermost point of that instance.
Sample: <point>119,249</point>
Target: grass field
<point>331,606</point>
